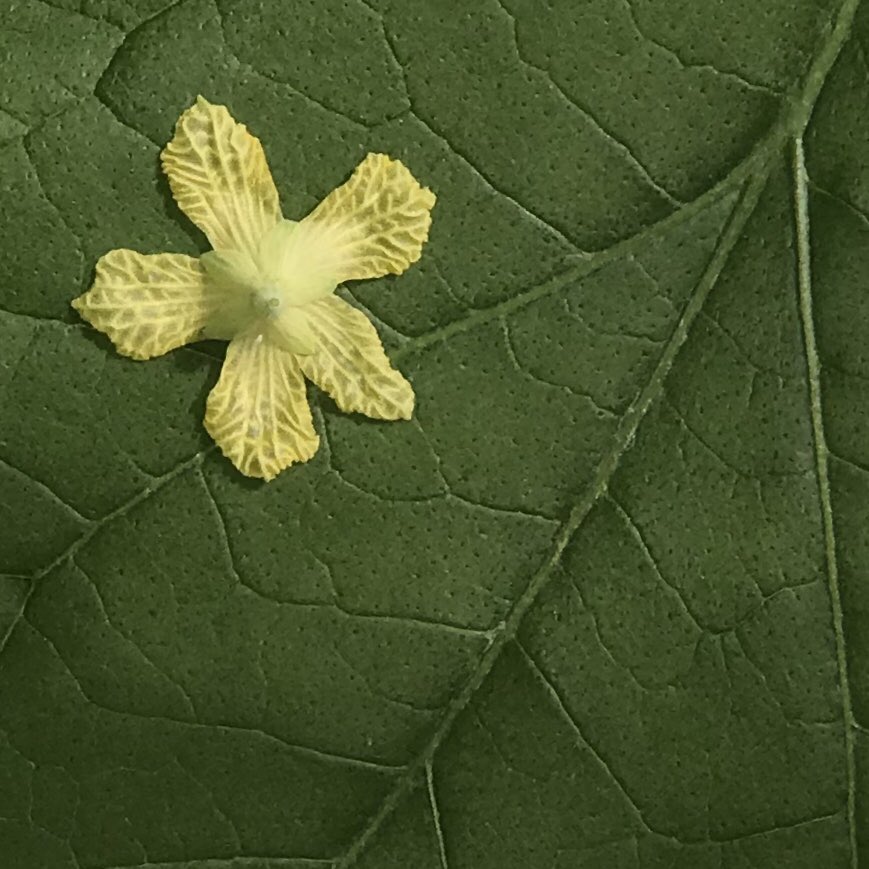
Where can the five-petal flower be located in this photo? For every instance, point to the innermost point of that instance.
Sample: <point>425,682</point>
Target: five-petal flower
<point>268,287</point>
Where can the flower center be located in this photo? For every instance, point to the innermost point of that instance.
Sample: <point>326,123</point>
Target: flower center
<point>266,300</point>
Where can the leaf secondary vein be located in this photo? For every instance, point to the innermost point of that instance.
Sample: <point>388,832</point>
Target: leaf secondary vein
<point>143,495</point>
<point>612,140</point>
<point>804,280</point>
<point>219,726</point>
<point>436,815</point>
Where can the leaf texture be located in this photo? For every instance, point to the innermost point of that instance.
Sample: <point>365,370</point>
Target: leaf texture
<point>601,603</point>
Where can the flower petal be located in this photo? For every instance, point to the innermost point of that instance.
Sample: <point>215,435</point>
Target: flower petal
<point>149,304</point>
<point>349,363</point>
<point>258,413</point>
<point>291,330</point>
<point>220,178</point>
<point>374,225</point>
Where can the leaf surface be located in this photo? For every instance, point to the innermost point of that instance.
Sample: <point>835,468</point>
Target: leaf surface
<point>602,602</point>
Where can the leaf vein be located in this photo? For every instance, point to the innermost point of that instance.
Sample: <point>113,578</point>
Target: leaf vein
<point>739,78</point>
<point>296,748</point>
<point>94,528</point>
<point>813,365</point>
<point>621,442</point>
<point>436,815</point>
<point>619,145</point>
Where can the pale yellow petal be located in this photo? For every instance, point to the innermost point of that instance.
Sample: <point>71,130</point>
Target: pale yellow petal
<point>220,178</point>
<point>149,304</point>
<point>350,364</point>
<point>290,328</point>
<point>258,412</point>
<point>374,225</point>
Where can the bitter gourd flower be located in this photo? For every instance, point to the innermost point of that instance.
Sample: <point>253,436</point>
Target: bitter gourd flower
<point>268,287</point>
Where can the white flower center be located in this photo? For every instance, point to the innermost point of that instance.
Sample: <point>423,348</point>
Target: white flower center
<point>272,291</point>
<point>266,300</point>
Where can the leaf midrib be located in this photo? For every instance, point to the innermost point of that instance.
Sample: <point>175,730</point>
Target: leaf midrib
<point>794,118</point>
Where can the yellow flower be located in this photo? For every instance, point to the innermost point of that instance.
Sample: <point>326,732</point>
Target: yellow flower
<point>268,287</point>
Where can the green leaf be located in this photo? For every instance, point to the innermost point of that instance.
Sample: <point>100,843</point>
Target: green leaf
<point>603,602</point>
